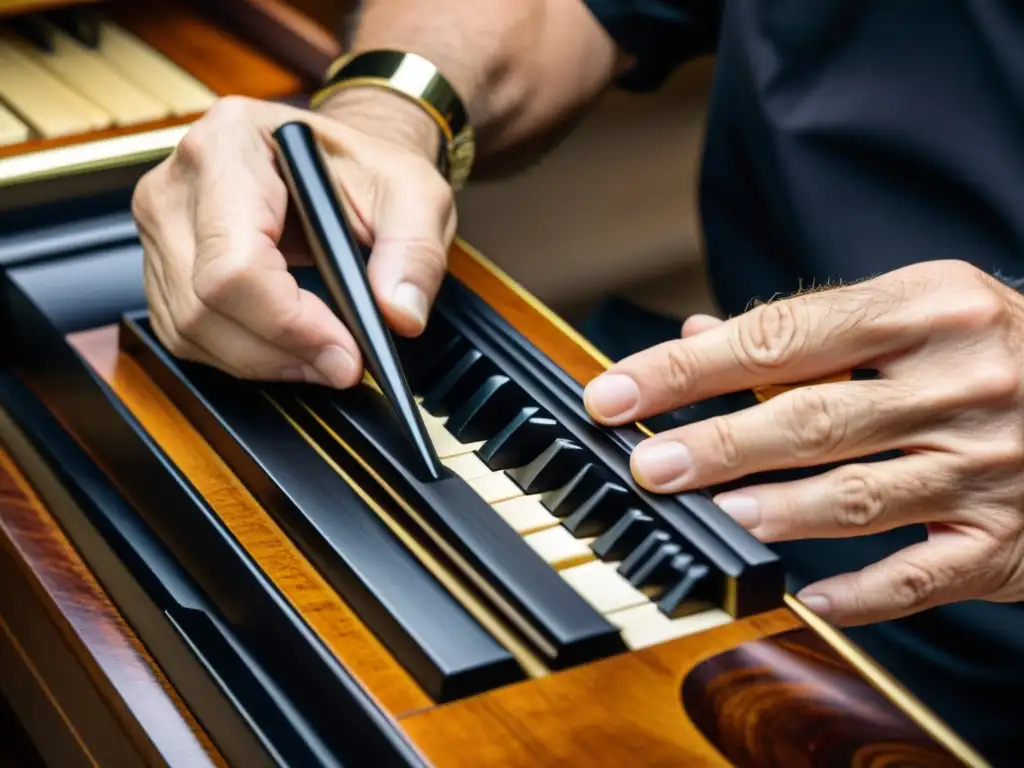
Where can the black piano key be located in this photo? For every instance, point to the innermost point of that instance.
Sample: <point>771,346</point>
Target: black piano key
<point>33,30</point>
<point>82,24</point>
<point>490,409</point>
<point>636,559</point>
<point>552,469</point>
<point>432,635</point>
<point>684,589</point>
<point>455,386</point>
<point>658,570</point>
<point>624,536</point>
<point>598,512</point>
<point>429,356</point>
<point>522,440</point>
<point>565,500</point>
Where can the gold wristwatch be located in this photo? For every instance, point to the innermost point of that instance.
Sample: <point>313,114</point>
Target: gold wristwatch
<point>413,77</point>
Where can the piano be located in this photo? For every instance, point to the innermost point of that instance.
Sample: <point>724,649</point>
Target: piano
<point>201,571</point>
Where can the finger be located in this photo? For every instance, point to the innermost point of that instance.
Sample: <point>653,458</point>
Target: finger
<point>240,274</point>
<point>800,428</point>
<point>852,500</point>
<point>805,337</point>
<point>415,224</point>
<point>695,324</point>
<point>948,567</point>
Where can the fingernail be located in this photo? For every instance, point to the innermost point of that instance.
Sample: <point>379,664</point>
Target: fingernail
<point>335,365</point>
<point>612,395</point>
<point>412,300</point>
<point>662,463</point>
<point>815,603</point>
<point>743,509</point>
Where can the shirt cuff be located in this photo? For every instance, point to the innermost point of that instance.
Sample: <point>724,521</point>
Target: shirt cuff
<point>658,34</point>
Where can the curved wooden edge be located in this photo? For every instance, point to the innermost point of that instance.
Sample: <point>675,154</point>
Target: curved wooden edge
<point>153,720</point>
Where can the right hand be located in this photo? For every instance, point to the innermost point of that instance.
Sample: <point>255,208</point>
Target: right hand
<point>211,219</point>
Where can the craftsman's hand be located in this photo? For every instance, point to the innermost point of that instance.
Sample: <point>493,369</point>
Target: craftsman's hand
<point>212,223</point>
<point>948,343</point>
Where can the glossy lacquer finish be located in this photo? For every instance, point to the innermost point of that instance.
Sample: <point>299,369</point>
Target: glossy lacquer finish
<point>336,253</point>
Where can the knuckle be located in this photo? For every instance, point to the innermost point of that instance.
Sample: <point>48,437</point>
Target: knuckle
<point>913,586</point>
<point>682,368</point>
<point>216,124</point>
<point>189,320</point>
<point>813,424</point>
<point>993,382</point>
<point>726,448</point>
<point>860,499</point>
<point>771,337</point>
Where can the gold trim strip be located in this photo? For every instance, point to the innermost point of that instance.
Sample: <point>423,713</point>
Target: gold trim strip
<point>533,666</point>
<point>99,155</point>
<point>927,720</point>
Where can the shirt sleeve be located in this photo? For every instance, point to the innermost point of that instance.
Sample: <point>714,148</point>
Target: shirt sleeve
<point>659,35</point>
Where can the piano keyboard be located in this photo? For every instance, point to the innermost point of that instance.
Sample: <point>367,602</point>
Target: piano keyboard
<point>553,558</point>
<point>61,76</point>
<point>596,581</point>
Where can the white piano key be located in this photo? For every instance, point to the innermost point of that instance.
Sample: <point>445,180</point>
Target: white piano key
<point>495,487</point>
<point>88,74</point>
<point>468,466</point>
<point>525,514</point>
<point>445,443</point>
<point>600,585</point>
<point>159,77</point>
<point>12,130</point>
<point>644,625</point>
<point>44,102</point>
<point>559,548</point>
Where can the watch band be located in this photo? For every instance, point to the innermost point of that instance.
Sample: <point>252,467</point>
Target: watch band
<point>415,78</point>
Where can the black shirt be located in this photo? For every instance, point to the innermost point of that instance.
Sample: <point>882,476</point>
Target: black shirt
<point>847,138</point>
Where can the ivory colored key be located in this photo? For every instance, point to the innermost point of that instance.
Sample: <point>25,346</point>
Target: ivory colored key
<point>12,130</point>
<point>495,487</point>
<point>91,76</point>
<point>559,548</point>
<point>645,625</point>
<point>46,104</point>
<point>600,585</point>
<point>468,466</point>
<point>445,443</point>
<point>525,514</point>
<point>156,75</point>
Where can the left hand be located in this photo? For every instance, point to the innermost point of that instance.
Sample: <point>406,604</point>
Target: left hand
<point>948,343</point>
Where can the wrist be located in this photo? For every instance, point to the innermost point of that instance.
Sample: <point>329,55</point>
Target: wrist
<point>385,115</point>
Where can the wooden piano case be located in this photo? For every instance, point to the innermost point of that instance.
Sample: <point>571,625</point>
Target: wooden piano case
<point>200,571</point>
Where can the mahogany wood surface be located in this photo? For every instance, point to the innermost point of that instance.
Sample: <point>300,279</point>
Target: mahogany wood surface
<point>210,52</point>
<point>73,645</point>
<point>790,702</point>
<point>325,611</point>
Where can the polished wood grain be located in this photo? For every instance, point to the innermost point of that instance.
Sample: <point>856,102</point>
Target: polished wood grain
<point>324,610</point>
<point>13,7</point>
<point>56,614</point>
<point>623,711</point>
<point>214,55</point>
<point>790,702</point>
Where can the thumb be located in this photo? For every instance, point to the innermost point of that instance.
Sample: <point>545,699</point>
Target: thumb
<point>414,224</point>
<point>695,324</point>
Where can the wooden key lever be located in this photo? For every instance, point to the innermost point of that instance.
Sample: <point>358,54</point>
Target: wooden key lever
<point>336,254</point>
